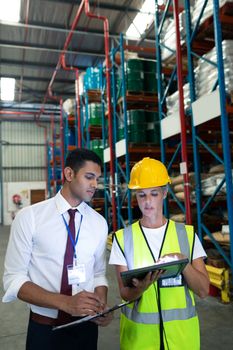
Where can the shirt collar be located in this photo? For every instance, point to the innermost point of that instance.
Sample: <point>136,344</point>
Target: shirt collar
<point>63,206</point>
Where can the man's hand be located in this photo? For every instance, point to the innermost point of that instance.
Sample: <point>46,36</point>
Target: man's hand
<point>82,304</point>
<point>104,320</point>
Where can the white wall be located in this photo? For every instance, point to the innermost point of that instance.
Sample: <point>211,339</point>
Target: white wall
<point>22,189</point>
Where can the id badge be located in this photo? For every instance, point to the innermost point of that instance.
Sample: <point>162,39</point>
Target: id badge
<point>171,282</point>
<point>76,274</point>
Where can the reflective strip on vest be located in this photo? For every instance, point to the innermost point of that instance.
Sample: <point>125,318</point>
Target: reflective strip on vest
<point>128,242</point>
<point>153,318</point>
<point>168,315</point>
<point>183,239</point>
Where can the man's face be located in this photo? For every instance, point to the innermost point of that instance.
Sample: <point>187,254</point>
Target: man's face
<point>84,183</point>
<point>150,201</point>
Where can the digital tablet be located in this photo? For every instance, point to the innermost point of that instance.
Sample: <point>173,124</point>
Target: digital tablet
<point>171,269</point>
<point>92,317</point>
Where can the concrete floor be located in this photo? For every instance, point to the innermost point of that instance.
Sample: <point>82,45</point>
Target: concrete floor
<point>216,319</point>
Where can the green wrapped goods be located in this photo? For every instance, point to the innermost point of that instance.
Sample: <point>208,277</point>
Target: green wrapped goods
<point>95,113</point>
<point>150,81</point>
<point>152,116</point>
<point>136,116</point>
<point>96,145</point>
<point>153,133</point>
<point>137,137</point>
<point>134,75</point>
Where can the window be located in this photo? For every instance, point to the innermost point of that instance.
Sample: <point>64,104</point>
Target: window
<point>10,10</point>
<point>7,89</point>
<point>143,19</point>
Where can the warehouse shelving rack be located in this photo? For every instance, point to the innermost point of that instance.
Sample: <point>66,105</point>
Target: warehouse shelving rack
<point>90,132</point>
<point>212,28</point>
<point>70,132</point>
<point>196,45</point>
<point>59,147</point>
<point>126,153</point>
<point>54,155</point>
<point>106,175</point>
<point>121,149</point>
<point>173,130</point>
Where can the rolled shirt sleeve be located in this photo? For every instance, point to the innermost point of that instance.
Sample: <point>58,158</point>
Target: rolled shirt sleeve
<point>18,254</point>
<point>100,261</point>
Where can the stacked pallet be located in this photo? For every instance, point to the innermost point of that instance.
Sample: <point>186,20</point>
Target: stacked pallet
<point>207,74</point>
<point>168,36</point>
<point>208,11</point>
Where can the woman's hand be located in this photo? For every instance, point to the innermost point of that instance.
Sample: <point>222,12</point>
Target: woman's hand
<point>144,284</point>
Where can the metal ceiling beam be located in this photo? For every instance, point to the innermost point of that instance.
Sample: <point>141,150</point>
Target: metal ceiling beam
<point>59,29</point>
<point>100,5</point>
<point>33,65</point>
<point>50,108</point>
<point>18,45</point>
<point>45,80</point>
<point>27,91</point>
<point>51,27</point>
<point>114,7</point>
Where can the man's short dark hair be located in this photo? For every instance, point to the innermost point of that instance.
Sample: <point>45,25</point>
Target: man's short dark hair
<point>77,158</point>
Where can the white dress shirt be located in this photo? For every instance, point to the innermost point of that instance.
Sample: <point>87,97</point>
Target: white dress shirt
<point>37,245</point>
<point>154,238</point>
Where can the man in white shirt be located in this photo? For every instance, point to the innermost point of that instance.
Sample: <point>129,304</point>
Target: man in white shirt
<point>36,258</point>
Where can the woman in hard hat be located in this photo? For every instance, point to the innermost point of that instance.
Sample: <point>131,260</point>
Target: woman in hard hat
<point>162,314</point>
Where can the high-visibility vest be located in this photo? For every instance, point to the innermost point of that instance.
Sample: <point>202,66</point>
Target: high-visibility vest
<point>141,325</point>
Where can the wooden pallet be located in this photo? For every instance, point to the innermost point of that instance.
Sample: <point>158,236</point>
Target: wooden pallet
<point>141,93</point>
<point>95,131</point>
<point>206,29</point>
<point>138,151</point>
<point>204,39</point>
<point>93,95</point>
<point>140,100</point>
<point>230,95</point>
<point>71,147</point>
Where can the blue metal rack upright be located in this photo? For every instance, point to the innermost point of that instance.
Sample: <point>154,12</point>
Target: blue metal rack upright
<point>123,196</point>
<point>107,197</point>
<point>171,136</point>
<point>70,132</point>
<point>127,149</point>
<point>89,132</point>
<point>54,155</point>
<point>86,120</point>
<point>192,32</point>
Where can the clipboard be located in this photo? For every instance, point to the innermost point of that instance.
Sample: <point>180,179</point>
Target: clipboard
<point>171,270</point>
<point>92,317</point>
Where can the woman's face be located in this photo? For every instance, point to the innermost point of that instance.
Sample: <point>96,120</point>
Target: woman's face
<point>150,201</point>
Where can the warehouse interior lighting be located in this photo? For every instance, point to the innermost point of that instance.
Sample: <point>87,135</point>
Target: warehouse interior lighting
<point>142,21</point>
<point>10,10</point>
<point>7,89</point>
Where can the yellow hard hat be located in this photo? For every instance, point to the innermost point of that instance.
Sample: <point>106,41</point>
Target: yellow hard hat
<point>147,173</point>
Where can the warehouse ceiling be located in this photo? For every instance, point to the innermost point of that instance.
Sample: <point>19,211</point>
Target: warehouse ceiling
<point>30,49</point>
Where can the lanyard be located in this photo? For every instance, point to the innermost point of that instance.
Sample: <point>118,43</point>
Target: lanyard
<point>70,235</point>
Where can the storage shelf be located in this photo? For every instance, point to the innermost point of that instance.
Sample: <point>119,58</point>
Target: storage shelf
<point>95,131</point>
<point>93,95</point>
<point>140,101</point>
<point>206,29</point>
